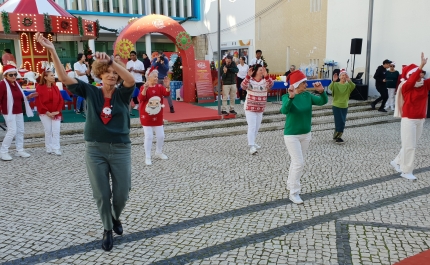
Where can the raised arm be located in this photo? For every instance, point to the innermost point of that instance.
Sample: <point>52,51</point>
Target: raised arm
<point>61,72</point>
<point>119,69</point>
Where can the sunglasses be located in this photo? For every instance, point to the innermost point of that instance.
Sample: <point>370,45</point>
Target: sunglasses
<point>11,75</point>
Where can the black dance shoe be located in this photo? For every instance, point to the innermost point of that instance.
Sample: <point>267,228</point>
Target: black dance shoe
<point>117,226</point>
<point>107,243</point>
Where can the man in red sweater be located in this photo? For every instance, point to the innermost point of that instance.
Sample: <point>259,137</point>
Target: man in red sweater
<point>411,106</point>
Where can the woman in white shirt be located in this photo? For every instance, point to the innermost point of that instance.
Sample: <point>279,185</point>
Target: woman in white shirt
<point>243,70</point>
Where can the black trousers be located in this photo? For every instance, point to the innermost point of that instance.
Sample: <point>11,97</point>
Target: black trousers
<point>242,93</point>
<point>384,96</point>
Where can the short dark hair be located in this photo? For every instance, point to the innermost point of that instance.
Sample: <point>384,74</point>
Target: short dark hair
<point>229,57</point>
<point>133,52</point>
<point>257,51</point>
<point>386,61</point>
<point>255,68</point>
<point>424,72</point>
<point>80,56</point>
<point>7,50</point>
<point>243,58</point>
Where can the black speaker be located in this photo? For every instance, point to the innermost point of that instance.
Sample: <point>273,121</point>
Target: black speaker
<point>356,46</point>
<point>360,92</point>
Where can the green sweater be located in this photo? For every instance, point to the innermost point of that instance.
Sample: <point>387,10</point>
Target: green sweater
<point>299,111</point>
<point>117,130</point>
<point>341,93</point>
<point>391,78</point>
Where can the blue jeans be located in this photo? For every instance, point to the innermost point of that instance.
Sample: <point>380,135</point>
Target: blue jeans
<point>104,159</point>
<point>339,120</point>
<point>80,102</point>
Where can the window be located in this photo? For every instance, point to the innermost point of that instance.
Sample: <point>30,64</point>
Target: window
<point>115,6</point>
<point>74,4</point>
<point>61,3</point>
<point>125,9</point>
<point>96,7</point>
<point>135,7</point>
<point>106,5</point>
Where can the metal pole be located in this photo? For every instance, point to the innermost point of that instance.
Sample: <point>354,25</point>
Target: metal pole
<point>369,42</point>
<point>219,57</point>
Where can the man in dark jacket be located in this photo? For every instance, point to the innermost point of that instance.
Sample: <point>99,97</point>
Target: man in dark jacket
<point>380,84</point>
<point>229,71</point>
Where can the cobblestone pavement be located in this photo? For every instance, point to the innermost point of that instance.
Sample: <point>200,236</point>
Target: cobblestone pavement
<point>213,203</point>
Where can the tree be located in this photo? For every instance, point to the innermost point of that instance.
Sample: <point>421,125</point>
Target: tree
<point>177,69</point>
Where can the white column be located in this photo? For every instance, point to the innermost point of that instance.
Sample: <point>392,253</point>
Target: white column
<point>157,6</point>
<point>189,8</point>
<point>68,4</point>
<point>92,45</point>
<point>173,11</point>
<point>165,8</point>
<point>148,8</point>
<point>121,9</point>
<point>181,8</point>
<point>79,4</point>
<point>148,45</point>
<point>18,52</point>
<point>101,6</point>
<point>139,7</point>
<point>110,6</point>
<point>80,47</point>
<point>130,6</point>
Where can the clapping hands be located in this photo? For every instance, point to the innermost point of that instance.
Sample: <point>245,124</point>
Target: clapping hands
<point>318,87</point>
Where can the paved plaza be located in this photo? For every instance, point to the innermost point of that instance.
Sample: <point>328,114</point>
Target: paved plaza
<point>213,203</point>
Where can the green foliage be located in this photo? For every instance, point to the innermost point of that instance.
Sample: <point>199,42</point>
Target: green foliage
<point>80,26</point>
<point>177,69</point>
<point>6,22</point>
<point>47,22</point>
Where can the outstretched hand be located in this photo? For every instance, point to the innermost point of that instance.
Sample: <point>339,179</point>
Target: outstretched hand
<point>250,71</point>
<point>291,91</point>
<point>423,60</point>
<point>44,41</point>
<point>318,87</point>
<point>335,77</point>
<point>166,82</point>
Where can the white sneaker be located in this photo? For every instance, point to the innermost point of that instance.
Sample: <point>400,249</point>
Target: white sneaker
<point>395,166</point>
<point>253,150</point>
<point>6,157</point>
<point>136,106</point>
<point>408,176</point>
<point>49,151</point>
<point>257,146</point>
<point>241,102</point>
<point>57,152</point>
<point>161,156</point>
<point>22,154</point>
<point>148,161</point>
<point>295,198</point>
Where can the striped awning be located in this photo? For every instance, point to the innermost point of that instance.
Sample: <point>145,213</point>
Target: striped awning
<point>34,7</point>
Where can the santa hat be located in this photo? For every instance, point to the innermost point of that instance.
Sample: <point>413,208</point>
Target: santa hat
<point>296,78</point>
<point>150,70</point>
<point>342,71</point>
<point>9,68</point>
<point>155,98</point>
<point>407,71</point>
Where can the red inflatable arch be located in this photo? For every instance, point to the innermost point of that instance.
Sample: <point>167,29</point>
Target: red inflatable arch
<point>175,32</point>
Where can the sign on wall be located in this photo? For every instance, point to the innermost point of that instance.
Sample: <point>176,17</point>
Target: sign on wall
<point>204,86</point>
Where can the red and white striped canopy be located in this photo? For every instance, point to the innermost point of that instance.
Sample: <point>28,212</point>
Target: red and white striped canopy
<point>34,7</point>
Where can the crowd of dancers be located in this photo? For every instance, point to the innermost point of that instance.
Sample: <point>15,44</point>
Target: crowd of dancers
<point>107,127</point>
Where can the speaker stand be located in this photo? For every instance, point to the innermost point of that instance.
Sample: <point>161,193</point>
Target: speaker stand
<point>353,64</point>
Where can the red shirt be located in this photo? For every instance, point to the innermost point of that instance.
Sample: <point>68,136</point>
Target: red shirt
<point>18,99</point>
<point>49,99</point>
<point>415,98</point>
<point>150,108</point>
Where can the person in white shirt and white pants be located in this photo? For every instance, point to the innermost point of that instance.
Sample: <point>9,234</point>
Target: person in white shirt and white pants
<point>82,70</point>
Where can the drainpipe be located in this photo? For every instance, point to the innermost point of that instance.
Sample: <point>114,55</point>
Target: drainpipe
<point>369,42</point>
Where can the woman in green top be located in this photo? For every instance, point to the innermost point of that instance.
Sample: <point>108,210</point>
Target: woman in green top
<point>107,135</point>
<point>297,105</point>
<point>391,77</point>
<point>340,92</point>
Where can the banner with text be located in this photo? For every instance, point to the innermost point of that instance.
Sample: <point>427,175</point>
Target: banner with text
<point>205,90</point>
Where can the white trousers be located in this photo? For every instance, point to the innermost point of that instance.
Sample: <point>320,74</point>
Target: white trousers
<point>391,98</point>
<point>15,128</point>
<point>254,122</point>
<point>149,135</point>
<point>297,145</point>
<point>411,131</point>
<point>52,133</point>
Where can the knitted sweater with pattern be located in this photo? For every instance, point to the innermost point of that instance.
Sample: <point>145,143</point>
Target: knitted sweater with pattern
<point>256,97</point>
